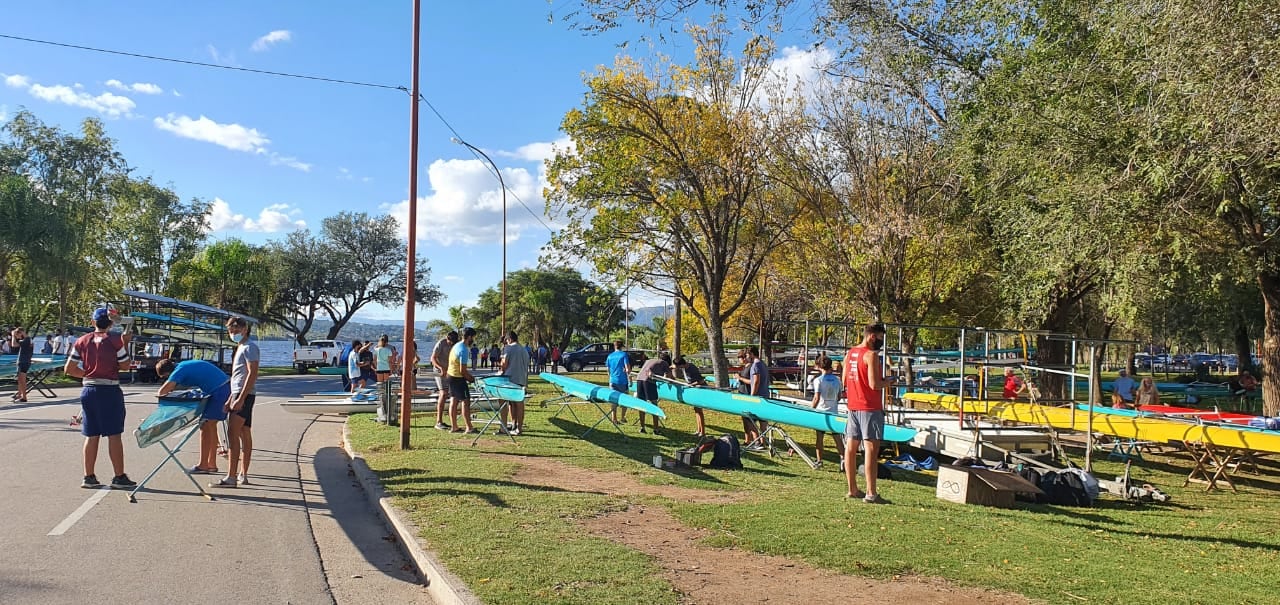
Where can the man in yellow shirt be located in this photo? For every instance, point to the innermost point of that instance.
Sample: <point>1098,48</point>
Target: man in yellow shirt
<point>460,379</point>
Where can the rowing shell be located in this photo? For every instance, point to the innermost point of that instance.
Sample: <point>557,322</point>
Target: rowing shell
<point>768,409</point>
<point>598,394</point>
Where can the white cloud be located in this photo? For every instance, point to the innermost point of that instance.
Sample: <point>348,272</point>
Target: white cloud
<point>799,72</point>
<point>453,278</point>
<point>4,113</point>
<point>220,58</point>
<point>539,152</point>
<point>145,88</point>
<point>273,218</point>
<point>465,204</point>
<point>177,94</point>
<point>231,136</point>
<point>271,39</point>
<point>290,161</point>
<point>108,104</point>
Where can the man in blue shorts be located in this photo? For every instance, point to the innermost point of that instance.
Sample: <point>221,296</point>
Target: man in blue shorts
<point>98,358</point>
<point>217,385</point>
<point>619,364</point>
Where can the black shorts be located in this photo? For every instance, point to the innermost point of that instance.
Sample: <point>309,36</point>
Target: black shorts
<point>647,390</point>
<point>459,388</point>
<point>246,411</point>
<point>23,368</point>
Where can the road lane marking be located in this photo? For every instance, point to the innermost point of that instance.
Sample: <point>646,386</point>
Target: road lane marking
<point>80,512</point>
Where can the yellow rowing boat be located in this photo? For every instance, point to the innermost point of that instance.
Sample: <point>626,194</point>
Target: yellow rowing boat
<point>1124,427</point>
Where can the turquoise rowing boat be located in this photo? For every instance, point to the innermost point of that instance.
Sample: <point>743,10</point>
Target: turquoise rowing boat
<point>598,394</point>
<point>771,410</point>
<point>501,387</point>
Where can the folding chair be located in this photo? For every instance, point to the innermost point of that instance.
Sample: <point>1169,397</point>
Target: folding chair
<point>174,414</point>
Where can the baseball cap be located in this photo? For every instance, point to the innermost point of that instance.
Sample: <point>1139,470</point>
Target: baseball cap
<point>101,313</point>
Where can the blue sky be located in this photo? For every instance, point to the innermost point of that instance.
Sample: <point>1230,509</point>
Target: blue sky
<point>274,154</point>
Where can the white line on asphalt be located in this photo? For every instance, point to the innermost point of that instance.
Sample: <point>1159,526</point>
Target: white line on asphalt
<point>79,512</point>
<point>34,407</point>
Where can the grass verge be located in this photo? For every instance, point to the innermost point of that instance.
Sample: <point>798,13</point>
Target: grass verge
<point>520,544</point>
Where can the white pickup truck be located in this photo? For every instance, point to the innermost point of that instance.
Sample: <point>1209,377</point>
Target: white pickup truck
<point>318,354</point>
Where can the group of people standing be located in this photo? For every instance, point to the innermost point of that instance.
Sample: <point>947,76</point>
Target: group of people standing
<point>452,358</point>
<point>97,358</point>
<point>369,363</point>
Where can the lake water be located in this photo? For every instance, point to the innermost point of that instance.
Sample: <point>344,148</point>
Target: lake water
<point>279,353</point>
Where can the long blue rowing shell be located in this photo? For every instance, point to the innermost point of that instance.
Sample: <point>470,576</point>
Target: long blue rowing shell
<point>771,410</point>
<point>598,394</point>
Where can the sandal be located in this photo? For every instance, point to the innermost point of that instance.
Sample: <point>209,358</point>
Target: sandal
<point>196,470</point>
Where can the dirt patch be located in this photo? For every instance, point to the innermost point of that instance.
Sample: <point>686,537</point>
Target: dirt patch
<point>745,577</point>
<point>724,575</point>
<point>548,472</point>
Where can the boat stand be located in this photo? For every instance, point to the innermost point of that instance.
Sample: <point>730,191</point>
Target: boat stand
<point>495,417</point>
<point>768,435</point>
<point>566,403</point>
<point>171,455</point>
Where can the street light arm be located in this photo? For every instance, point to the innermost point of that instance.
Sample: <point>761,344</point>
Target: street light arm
<point>503,184</point>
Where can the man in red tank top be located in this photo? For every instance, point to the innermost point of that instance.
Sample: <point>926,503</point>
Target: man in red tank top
<point>864,379</point>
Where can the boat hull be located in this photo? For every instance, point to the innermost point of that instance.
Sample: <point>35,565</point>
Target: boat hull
<point>770,410</point>
<point>598,394</point>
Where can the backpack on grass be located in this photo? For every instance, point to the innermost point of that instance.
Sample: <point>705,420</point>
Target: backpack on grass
<point>727,454</point>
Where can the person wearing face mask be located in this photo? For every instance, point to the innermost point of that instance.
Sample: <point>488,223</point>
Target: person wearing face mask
<point>239,408</point>
<point>863,380</point>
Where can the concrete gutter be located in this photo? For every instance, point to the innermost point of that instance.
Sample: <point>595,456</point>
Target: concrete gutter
<point>444,587</point>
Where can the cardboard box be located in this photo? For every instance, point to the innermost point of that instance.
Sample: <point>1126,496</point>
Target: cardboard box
<point>981,486</point>
<point>689,457</point>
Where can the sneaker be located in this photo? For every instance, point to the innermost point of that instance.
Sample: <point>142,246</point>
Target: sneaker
<point>244,480</point>
<point>471,431</point>
<point>224,482</point>
<point>123,482</point>
<point>440,426</point>
<point>755,447</point>
<point>90,482</point>
<point>515,432</point>
<point>874,499</point>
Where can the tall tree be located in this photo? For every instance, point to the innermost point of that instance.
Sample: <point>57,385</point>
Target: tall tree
<point>370,265</point>
<point>153,229</point>
<point>667,185</point>
<point>303,276</point>
<point>228,274</point>
<point>549,306</point>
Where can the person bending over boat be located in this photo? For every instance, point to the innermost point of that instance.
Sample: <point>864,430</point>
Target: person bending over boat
<point>647,386</point>
<point>826,398</point>
<point>757,374</point>
<point>690,374</point>
<point>619,364</point>
<point>217,385</point>
<point>864,380</point>
<point>515,366</point>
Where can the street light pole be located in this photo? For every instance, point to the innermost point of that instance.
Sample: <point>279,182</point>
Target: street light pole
<point>502,184</point>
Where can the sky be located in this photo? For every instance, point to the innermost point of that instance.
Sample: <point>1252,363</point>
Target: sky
<point>274,154</point>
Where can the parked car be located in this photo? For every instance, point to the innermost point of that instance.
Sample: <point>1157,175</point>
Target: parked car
<point>318,353</point>
<point>593,355</point>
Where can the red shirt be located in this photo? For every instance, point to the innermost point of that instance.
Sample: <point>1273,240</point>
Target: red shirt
<point>100,355</point>
<point>857,382</point>
<point>1012,384</point>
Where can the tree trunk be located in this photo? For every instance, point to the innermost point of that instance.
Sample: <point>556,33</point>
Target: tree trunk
<point>714,324</point>
<point>1269,283</point>
<point>1244,346</point>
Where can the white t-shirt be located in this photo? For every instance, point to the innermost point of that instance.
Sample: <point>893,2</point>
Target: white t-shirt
<point>828,387</point>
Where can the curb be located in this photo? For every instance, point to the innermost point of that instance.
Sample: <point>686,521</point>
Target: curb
<point>444,587</point>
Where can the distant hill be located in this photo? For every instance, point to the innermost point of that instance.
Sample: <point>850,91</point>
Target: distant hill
<point>645,315</point>
<point>367,330</point>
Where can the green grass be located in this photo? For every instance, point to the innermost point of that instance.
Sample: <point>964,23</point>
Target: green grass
<point>516,544</point>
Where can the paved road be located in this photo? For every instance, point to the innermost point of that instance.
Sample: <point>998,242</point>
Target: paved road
<point>303,533</point>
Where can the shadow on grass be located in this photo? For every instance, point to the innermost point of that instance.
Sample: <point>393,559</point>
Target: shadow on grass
<point>1243,477</point>
<point>637,450</point>
<point>1197,540</point>
<point>412,483</point>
